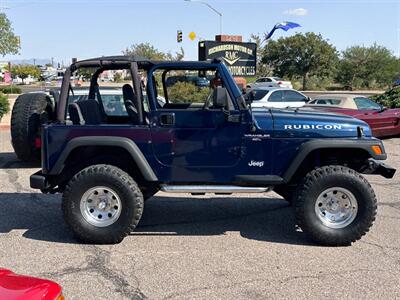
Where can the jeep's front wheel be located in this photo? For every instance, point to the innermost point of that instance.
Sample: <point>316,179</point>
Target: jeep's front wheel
<point>102,204</point>
<point>335,205</point>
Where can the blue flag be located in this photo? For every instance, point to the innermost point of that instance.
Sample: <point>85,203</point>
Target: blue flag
<point>284,26</point>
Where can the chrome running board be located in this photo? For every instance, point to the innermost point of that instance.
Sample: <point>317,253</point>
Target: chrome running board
<point>223,189</point>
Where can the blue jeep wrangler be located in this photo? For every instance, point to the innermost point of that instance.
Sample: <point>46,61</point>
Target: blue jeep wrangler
<point>108,156</point>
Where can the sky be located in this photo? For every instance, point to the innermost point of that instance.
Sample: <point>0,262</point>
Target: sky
<point>89,28</point>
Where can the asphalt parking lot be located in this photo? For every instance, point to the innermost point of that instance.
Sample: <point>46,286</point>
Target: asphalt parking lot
<point>199,247</point>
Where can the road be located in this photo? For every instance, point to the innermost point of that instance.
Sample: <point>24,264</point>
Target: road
<point>199,247</point>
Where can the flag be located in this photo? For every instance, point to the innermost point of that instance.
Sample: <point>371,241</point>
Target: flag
<point>286,25</point>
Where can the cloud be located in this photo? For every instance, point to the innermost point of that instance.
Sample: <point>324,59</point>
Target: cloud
<point>296,12</point>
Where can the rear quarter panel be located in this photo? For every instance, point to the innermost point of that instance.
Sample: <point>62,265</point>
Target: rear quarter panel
<point>57,136</point>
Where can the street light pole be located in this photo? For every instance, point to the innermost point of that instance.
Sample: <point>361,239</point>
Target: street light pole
<point>213,9</point>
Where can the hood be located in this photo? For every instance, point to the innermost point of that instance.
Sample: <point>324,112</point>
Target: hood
<point>307,123</point>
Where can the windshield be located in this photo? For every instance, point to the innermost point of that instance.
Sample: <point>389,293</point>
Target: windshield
<point>366,103</point>
<point>278,79</point>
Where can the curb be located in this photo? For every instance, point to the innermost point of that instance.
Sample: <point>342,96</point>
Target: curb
<point>4,127</point>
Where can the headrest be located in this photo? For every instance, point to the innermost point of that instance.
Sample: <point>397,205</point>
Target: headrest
<point>128,93</point>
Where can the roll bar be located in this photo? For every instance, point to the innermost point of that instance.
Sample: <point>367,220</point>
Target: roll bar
<point>132,66</point>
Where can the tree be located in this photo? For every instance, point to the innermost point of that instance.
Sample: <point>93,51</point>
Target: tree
<point>365,66</point>
<point>85,73</point>
<point>9,42</point>
<point>263,69</point>
<point>146,50</point>
<point>187,92</point>
<point>390,98</point>
<point>301,55</point>
<point>179,55</point>
<point>23,71</point>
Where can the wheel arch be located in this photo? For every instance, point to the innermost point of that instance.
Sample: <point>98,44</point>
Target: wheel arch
<point>319,152</point>
<point>105,142</point>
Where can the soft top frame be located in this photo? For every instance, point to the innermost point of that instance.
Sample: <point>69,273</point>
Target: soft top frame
<point>133,63</point>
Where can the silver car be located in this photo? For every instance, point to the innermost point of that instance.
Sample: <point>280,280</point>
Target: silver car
<point>275,97</point>
<point>270,82</point>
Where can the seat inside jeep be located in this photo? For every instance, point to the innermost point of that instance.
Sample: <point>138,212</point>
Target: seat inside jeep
<point>108,103</point>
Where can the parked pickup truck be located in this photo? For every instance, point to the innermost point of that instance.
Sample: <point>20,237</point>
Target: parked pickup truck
<point>106,166</point>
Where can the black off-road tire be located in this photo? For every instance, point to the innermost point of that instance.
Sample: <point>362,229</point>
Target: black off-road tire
<point>322,179</point>
<point>26,117</point>
<point>126,189</point>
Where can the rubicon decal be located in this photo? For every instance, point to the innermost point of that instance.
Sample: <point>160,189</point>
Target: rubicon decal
<point>312,126</point>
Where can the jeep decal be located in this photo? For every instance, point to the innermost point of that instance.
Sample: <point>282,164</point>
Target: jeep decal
<point>254,163</point>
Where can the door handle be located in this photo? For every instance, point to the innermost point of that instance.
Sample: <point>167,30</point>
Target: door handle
<point>167,119</point>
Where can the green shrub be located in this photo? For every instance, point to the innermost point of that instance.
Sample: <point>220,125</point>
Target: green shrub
<point>187,92</point>
<point>118,78</point>
<point>4,105</point>
<point>10,90</point>
<point>390,98</point>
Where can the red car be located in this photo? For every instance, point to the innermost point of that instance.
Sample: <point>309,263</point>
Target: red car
<point>383,122</point>
<point>20,287</point>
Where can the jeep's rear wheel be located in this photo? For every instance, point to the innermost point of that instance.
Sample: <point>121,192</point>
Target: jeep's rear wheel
<point>102,204</point>
<point>28,114</point>
<point>335,205</point>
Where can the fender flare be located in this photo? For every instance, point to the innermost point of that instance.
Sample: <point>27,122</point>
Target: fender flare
<point>122,142</point>
<point>338,144</point>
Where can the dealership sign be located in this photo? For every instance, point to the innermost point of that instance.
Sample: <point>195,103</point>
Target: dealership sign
<point>240,58</point>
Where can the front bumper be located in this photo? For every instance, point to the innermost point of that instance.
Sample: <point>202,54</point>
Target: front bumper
<point>38,181</point>
<point>379,168</point>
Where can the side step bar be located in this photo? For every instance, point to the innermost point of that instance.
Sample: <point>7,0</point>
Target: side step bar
<point>218,189</point>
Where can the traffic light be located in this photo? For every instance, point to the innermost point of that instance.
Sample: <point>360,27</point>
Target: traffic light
<point>179,36</point>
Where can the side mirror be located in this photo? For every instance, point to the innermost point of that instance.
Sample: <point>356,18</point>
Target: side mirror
<point>220,97</point>
<point>250,96</point>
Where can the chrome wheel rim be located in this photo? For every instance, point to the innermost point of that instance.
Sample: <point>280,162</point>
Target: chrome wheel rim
<point>336,207</point>
<point>100,206</point>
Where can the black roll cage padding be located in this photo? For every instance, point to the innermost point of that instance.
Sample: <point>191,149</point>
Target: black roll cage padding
<point>132,66</point>
<point>164,85</point>
<point>93,83</point>
<point>138,90</point>
<point>64,95</point>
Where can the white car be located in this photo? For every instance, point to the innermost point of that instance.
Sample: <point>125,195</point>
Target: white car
<point>272,97</point>
<point>270,82</point>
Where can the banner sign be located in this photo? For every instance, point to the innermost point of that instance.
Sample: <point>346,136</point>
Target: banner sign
<point>240,58</point>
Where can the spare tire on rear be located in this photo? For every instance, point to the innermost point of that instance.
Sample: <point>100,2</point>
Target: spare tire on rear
<point>29,112</point>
